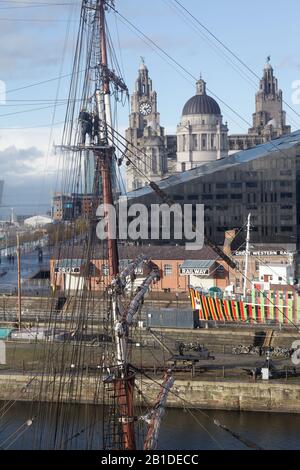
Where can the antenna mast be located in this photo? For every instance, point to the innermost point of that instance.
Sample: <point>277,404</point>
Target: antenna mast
<point>247,255</point>
<point>19,282</point>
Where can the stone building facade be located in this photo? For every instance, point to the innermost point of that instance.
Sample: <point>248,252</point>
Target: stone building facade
<point>201,135</point>
<point>145,135</point>
<point>269,119</point>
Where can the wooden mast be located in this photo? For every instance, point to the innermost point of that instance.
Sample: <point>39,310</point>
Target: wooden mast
<point>124,380</point>
<point>106,161</point>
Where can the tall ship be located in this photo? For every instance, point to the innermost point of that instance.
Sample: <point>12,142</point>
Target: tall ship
<point>86,355</point>
<point>88,344</point>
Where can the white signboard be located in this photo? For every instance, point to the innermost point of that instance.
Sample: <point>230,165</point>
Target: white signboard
<point>67,270</point>
<point>194,271</point>
<point>263,253</point>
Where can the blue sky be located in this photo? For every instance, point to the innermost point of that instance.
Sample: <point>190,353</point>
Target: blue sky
<point>37,44</point>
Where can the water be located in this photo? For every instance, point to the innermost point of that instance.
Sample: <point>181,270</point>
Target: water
<point>180,430</point>
<point>30,265</point>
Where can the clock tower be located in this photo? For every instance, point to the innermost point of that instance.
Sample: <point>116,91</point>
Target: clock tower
<point>145,135</point>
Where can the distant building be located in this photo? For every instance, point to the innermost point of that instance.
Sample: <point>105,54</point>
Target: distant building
<point>276,274</point>
<point>38,221</point>
<point>269,119</point>
<point>201,134</point>
<point>146,137</point>
<point>72,206</point>
<point>178,269</point>
<point>273,264</point>
<point>22,217</point>
<point>264,180</point>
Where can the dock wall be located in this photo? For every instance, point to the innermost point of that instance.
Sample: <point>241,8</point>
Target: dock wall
<point>223,395</point>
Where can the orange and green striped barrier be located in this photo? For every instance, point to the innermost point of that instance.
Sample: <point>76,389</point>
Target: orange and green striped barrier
<point>282,306</point>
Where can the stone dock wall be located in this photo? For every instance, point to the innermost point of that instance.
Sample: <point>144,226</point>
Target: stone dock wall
<point>223,395</point>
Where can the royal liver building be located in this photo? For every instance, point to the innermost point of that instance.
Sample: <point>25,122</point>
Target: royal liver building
<point>145,135</point>
<point>269,119</point>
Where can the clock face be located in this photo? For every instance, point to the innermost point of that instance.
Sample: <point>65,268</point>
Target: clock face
<point>145,108</point>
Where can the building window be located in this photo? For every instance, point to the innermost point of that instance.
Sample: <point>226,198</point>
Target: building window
<point>105,270</point>
<point>154,161</point>
<point>167,270</point>
<point>204,142</point>
<point>195,142</point>
<point>212,142</point>
<point>183,166</point>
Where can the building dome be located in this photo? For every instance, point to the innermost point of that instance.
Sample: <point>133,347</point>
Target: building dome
<point>201,103</point>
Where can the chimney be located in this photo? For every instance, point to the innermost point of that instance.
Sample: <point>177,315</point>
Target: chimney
<point>229,237</point>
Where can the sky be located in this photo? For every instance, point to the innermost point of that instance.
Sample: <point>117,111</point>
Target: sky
<point>37,45</point>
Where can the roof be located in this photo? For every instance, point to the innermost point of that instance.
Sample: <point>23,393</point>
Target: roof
<point>281,144</point>
<point>155,252</point>
<point>38,220</point>
<point>201,104</point>
<point>198,264</point>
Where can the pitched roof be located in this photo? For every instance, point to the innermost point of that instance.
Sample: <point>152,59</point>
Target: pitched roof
<point>155,252</point>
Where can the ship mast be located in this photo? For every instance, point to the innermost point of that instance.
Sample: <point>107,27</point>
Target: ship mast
<point>106,156</point>
<point>124,379</point>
